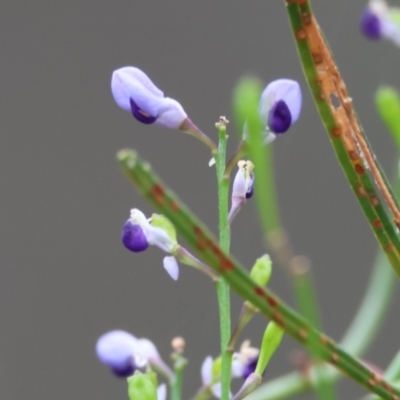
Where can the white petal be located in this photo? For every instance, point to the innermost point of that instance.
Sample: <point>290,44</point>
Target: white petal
<point>170,114</point>
<point>158,237</point>
<point>237,366</point>
<point>162,392</point>
<point>137,217</point>
<point>239,184</point>
<point>206,371</point>
<point>172,267</point>
<point>147,350</point>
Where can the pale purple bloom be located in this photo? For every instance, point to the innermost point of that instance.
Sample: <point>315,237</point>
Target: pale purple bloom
<point>123,353</point>
<point>280,105</point>
<point>135,92</point>
<point>116,350</point>
<point>376,22</point>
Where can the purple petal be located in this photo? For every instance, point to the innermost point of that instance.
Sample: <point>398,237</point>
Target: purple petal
<point>133,237</point>
<point>279,118</point>
<point>141,115</point>
<point>250,367</point>
<point>370,24</point>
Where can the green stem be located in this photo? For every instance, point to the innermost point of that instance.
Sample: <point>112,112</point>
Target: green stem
<point>176,384</point>
<point>224,240</point>
<point>341,123</point>
<point>359,335</point>
<point>204,244</point>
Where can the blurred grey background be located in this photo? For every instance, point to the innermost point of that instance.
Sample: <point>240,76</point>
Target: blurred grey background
<point>65,278</point>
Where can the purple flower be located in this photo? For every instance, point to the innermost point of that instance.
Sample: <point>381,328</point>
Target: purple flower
<point>370,24</point>
<point>280,105</point>
<point>135,92</point>
<point>116,350</point>
<point>379,21</point>
<point>123,353</point>
<point>139,232</point>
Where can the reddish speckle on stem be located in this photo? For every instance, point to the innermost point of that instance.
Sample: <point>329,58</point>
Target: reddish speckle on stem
<point>301,34</point>
<point>374,200</point>
<point>158,194</point>
<point>359,169</point>
<point>334,358</point>
<point>354,155</point>
<point>377,223</point>
<point>174,206</point>
<point>277,317</point>
<point>272,301</point>
<point>259,291</point>
<point>303,334</point>
<point>336,132</point>
<point>201,242</point>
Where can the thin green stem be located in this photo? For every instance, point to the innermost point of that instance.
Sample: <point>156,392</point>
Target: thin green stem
<point>176,384</point>
<point>224,240</point>
<point>204,244</point>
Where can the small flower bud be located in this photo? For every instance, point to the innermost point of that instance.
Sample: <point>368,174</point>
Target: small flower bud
<point>116,350</point>
<point>281,104</point>
<point>271,340</point>
<point>178,344</point>
<point>135,92</point>
<point>261,271</point>
<point>242,187</point>
<point>141,386</point>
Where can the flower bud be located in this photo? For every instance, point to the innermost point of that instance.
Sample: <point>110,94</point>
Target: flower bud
<point>261,271</point>
<point>141,386</point>
<point>271,340</point>
<point>135,92</point>
<point>242,187</point>
<point>281,104</point>
<point>116,350</point>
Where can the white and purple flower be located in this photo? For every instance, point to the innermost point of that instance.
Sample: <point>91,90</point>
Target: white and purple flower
<point>280,105</point>
<point>377,22</point>
<point>242,188</point>
<point>138,233</point>
<point>134,91</point>
<point>244,363</point>
<point>123,353</point>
